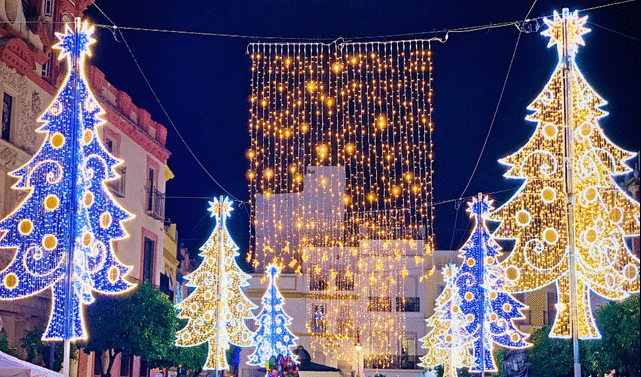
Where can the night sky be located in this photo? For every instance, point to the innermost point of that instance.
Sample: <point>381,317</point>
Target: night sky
<point>204,84</point>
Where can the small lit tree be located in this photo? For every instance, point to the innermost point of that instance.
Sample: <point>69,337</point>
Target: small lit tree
<point>272,337</point>
<point>447,343</point>
<point>217,309</point>
<point>489,312</point>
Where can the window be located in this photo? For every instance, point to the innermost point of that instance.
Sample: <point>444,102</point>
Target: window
<point>119,185</point>
<point>551,312</point>
<point>143,368</point>
<point>317,281</point>
<point>148,260</point>
<point>97,363</point>
<point>379,304</point>
<point>345,282</point>
<point>151,184</point>
<point>126,364</point>
<point>47,7</point>
<point>46,68</point>
<point>155,201</point>
<point>318,319</point>
<point>7,107</point>
<point>408,304</point>
<point>109,145</point>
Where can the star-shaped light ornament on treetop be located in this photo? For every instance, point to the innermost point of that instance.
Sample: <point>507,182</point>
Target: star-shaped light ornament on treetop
<point>72,43</point>
<point>576,29</point>
<point>220,207</point>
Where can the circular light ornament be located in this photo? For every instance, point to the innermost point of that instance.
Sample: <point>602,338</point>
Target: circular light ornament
<point>87,137</point>
<point>589,194</point>
<point>493,295</point>
<point>489,261</point>
<point>631,272</point>
<point>512,273</point>
<point>493,317</point>
<point>208,295</point>
<point>57,140</point>
<point>193,307</point>
<point>616,215</point>
<point>548,195</point>
<point>448,338</point>
<point>523,218</point>
<point>551,236</point>
<point>25,227</point>
<point>51,202</point>
<point>209,261</point>
<point>469,296</point>
<point>507,307</point>
<point>105,220</point>
<point>471,262</point>
<point>86,239</point>
<point>207,316</point>
<point>550,131</point>
<point>88,199</point>
<point>455,309</point>
<point>11,280</point>
<point>185,336</point>
<point>49,242</point>
<point>585,130</point>
<point>113,275</point>
<point>470,318</point>
<point>590,235</point>
<point>515,337</point>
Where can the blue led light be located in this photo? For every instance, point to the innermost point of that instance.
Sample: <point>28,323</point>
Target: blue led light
<point>272,338</point>
<point>488,311</point>
<point>69,172</point>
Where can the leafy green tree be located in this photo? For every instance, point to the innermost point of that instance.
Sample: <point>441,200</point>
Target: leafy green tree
<point>5,347</point>
<point>140,324</point>
<point>39,352</point>
<point>550,357</point>
<point>619,346</point>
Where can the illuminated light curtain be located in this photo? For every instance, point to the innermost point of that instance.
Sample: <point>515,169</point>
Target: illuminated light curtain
<point>67,198</point>
<point>272,337</point>
<point>536,217</point>
<point>489,312</point>
<point>217,308</point>
<point>341,152</point>
<point>447,343</point>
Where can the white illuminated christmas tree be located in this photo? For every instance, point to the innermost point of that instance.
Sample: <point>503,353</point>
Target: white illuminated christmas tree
<point>217,308</point>
<point>447,343</point>
<point>569,219</point>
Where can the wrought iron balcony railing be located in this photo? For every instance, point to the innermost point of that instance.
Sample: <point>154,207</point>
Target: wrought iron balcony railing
<point>155,203</point>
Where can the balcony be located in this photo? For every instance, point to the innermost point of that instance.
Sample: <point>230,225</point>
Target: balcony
<point>408,304</point>
<point>392,362</point>
<point>155,203</point>
<point>118,186</point>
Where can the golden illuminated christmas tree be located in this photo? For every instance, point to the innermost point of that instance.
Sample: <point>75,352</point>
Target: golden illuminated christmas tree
<point>570,221</point>
<point>217,309</point>
<point>442,347</point>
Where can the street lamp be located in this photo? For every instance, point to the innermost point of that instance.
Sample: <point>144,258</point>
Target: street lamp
<point>358,347</point>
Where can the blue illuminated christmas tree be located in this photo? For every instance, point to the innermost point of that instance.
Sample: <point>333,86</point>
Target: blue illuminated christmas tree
<point>489,311</point>
<point>272,337</point>
<point>67,222</point>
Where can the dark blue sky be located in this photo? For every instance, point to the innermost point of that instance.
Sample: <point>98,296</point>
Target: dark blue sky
<point>204,84</point>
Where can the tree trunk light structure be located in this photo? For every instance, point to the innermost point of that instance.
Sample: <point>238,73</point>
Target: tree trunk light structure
<point>570,218</point>
<point>63,231</point>
<point>217,309</point>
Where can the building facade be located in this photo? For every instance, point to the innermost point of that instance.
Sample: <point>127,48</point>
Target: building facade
<point>29,76</point>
